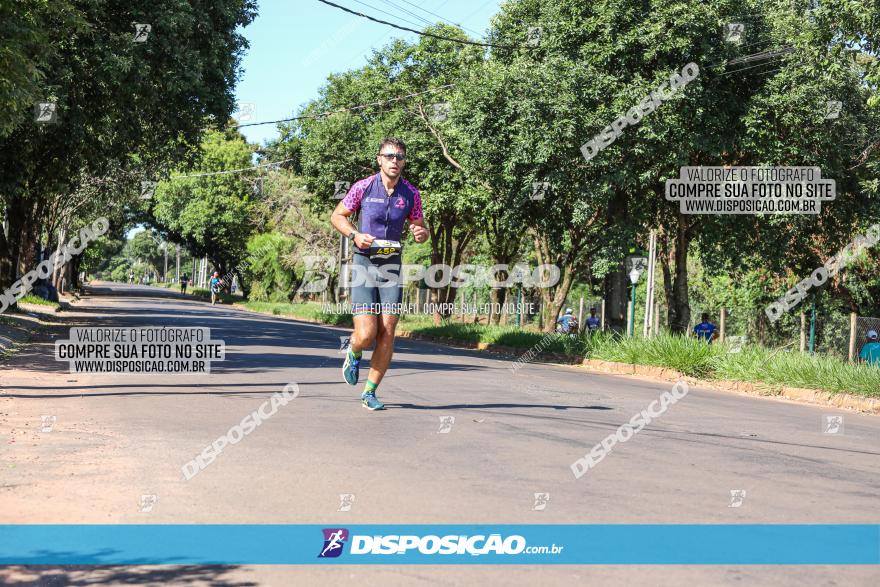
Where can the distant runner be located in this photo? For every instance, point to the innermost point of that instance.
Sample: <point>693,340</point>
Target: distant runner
<point>184,281</point>
<point>215,287</point>
<point>386,202</point>
<point>706,330</point>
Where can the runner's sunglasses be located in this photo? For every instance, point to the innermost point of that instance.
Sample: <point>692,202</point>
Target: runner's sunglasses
<point>391,156</point>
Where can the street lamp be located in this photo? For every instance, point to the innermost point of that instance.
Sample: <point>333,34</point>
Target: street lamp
<point>635,265</point>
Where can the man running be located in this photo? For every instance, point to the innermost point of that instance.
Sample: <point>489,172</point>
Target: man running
<point>385,201</point>
<point>215,287</point>
<point>184,281</point>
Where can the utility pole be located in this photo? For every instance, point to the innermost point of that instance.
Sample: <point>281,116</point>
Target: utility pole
<point>165,272</point>
<point>650,319</point>
<point>813,327</point>
<point>177,250</point>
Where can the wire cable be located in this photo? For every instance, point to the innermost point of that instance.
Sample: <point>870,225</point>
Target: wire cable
<point>228,170</point>
<point>349,109</point>
<point>437,16</point>
<point>416,24</point>
<point>423,33</point>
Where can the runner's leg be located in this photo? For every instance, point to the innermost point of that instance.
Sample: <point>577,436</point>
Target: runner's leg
<point>364,298</point>
<point>365,330</point>
<point>381,356</point>
<point>391,294</point>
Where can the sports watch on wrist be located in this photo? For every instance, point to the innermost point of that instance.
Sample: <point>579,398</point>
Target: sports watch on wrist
<point>352,234</point>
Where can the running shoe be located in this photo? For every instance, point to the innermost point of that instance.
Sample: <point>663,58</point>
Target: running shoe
<point>371,402</point>
<point>351,368</point>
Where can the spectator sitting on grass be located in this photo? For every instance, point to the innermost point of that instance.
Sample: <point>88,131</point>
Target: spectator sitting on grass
<point>870,352</point>
<point>706,330</point>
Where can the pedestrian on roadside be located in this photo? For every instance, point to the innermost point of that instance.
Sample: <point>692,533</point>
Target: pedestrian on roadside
<point>705,330</point>
<point>184,281</point>
<point>593,322</point>
<point>567,324</point>
<point>215,287</point>
<point>870,352</point>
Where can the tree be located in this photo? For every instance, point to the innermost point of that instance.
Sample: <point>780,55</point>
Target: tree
<point>450,201</point>
<point>209,210</point>
<point>120,104</point>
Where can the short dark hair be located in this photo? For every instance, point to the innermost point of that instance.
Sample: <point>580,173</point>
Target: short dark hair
<point>392,141</point>
<point>705,316</point>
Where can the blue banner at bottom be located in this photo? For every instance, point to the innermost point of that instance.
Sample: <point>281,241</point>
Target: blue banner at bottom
<point>601,544</point>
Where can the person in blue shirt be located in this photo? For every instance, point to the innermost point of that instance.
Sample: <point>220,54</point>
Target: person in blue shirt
<point>215,287</point>
<point>705,330</point>
<point>568,323</point>
<point>870,352</point>
<point>593,322</point>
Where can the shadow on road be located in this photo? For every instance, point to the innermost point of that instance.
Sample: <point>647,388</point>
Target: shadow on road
<point>487,406</point>
<point>81,575</point>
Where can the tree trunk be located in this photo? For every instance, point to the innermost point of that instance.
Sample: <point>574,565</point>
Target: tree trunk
<point>56,273</point>
<point>615,283</point>
<point>676,288</point>
<point>446,249</point>
<point>554,297</point>
<point>496,296</point>
<point>615,286</point>
<point>18,217</point>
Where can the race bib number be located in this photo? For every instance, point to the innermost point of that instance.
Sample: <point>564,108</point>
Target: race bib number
<point>381,247</point>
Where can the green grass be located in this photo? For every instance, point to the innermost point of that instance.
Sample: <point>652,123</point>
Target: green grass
<point>753,363</point>
<point>688,355</point>
<point>38,301</point>
<point>796,369</point>
<point>307,310</point>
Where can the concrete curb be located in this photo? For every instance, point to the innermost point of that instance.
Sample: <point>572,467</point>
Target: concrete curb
<point>812,396</point>
<point>41,309</point>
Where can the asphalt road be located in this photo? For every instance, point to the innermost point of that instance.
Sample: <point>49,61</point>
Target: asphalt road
<point>119,437</point>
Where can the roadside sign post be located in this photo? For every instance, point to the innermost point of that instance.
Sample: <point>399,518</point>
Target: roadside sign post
<point>635,265</point>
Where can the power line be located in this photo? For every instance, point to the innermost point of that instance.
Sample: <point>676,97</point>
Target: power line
<point>745,68</point>
<point>436,15</point>
<point>422,33</point>
<point>752,57</point>
<point>229,170</point>
<point>407,11</point>
<point>761,55</point>
<point>350,109</point>
<point>394,15</point>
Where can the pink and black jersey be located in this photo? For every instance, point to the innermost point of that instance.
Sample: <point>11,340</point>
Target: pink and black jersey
<point>382,215</point>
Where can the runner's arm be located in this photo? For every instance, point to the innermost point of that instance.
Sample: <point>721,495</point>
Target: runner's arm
<point>417,218</point>
<point>340,221</point>
<point>418,230</point>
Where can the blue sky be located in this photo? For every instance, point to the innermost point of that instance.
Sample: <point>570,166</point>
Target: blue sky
<point>296,44</point>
